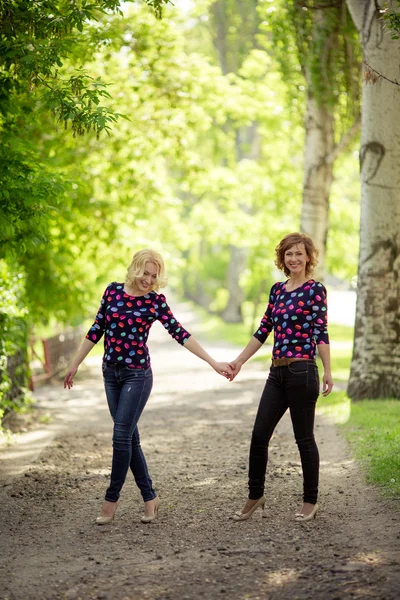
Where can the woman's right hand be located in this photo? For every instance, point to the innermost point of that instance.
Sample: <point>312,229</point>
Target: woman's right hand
<point>235,366</point>
<point>69,377</point>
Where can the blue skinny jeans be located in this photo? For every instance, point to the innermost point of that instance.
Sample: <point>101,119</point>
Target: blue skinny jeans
<point>127,392</point>
<point>296,387</point>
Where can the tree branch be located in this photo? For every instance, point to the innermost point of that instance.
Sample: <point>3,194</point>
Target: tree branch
<point>344,141</point>
<point>369,79</point>
<point>333,4</point>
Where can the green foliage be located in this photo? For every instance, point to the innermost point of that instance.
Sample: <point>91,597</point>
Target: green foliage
<point>372,428</point>
<point>36,39</point>
<point>317,46</point>
<point>51,227</point>
<point>392,18</point>
<point>374,431</point>
<point>26,186</point>
<point>234,26</point>
<point>203,159</point>
<point>245,190</point>
<point>13,340</point>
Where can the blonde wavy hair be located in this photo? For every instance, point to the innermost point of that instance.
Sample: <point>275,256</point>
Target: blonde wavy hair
<point>137,268</point>
<point>292,239</point>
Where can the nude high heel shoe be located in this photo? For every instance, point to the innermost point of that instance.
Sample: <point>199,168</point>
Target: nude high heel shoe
<point>300,518</point>
<point>100,520</point>
<point>238,516</point>
<point>150,518</point>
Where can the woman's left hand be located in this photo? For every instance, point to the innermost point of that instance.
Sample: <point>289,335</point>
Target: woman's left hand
<point>224,369</point>
<point>327,384</point>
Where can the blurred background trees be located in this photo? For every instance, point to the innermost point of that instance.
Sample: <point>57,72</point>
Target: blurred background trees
<point>207,134</point>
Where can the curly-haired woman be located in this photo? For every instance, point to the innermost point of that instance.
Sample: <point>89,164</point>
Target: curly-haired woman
<point>126,314</point>
<point>297,312</point>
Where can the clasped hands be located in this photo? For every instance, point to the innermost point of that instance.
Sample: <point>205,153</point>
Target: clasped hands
<point>228,370</point>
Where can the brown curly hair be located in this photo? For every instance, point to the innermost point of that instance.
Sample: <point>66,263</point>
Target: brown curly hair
<point>292,239</point>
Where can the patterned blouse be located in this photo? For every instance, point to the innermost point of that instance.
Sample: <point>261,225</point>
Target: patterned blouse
<point>125,322</point>
<point>299,319</point>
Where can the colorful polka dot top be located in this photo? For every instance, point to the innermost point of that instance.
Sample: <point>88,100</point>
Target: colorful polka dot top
<point>299,319</point>
<point>125,322</point>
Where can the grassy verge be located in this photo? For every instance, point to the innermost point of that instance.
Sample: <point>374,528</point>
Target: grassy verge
<point>372,427</point>
<point>374,431</point>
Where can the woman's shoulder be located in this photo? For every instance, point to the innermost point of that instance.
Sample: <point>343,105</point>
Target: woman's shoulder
<point>316,287</point>
<point>316,284</point>
<point>115,285</point>
<point>157,296</point>
<point>277,286</point>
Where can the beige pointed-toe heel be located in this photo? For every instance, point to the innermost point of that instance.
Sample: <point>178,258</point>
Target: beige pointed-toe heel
<point>301,518</point>
<point>150,518</point>
<point>100,520</point>
<point>239,516</point>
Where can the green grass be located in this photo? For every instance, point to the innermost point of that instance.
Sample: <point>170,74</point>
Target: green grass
<point>372,427</point>
<point>374,432</point>
<point>336,406</point>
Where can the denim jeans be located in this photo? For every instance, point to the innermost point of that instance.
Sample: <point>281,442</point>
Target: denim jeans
<point>296,387</point>
<point>127,392</point>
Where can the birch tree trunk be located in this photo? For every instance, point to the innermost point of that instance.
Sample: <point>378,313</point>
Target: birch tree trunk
<point>375,367</point>
<point>318,175</point>
<point>320,149</point>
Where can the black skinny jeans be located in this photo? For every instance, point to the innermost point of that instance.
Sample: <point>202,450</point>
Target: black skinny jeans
<point>296,387</point>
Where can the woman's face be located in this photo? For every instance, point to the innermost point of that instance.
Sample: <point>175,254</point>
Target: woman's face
<point>146,282</point>
<point>296,260</point>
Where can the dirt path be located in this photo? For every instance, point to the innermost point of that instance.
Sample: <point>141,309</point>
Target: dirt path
<point>195,432</point>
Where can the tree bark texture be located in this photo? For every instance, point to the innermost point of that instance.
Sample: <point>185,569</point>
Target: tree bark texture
<point>318,175</point>
<point>375,367</point>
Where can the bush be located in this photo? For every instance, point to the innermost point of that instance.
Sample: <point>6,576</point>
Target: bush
<point>14,363</point>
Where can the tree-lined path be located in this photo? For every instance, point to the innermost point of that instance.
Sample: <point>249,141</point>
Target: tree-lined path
<point>195,432</point>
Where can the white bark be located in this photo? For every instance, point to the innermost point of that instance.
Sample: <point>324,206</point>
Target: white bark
<point>320,150</point>
<point>318,175</point>
<point>375,368</point>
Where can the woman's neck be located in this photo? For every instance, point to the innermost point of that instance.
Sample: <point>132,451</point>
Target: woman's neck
<point>132,291</point>
<point>296,281</point>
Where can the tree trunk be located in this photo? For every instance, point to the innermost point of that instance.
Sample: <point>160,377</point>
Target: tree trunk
<point>233,43</point>
<point>233,311</point>
<point>194,290</point>
<point>318,175</point>
<point>375,367</point>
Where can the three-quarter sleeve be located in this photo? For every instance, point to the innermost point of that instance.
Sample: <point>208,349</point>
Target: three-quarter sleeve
<point>320,315</point>
<point>266,324</point>
<point>166,317</point>
<point>96,331</point>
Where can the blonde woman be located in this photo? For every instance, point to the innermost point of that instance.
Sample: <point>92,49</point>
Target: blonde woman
<point>126,314</point>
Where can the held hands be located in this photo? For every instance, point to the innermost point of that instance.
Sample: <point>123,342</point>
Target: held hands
<point>228,370</point>
<point>235,366</point>
<point>224,369</point>
<point>69,378</point>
